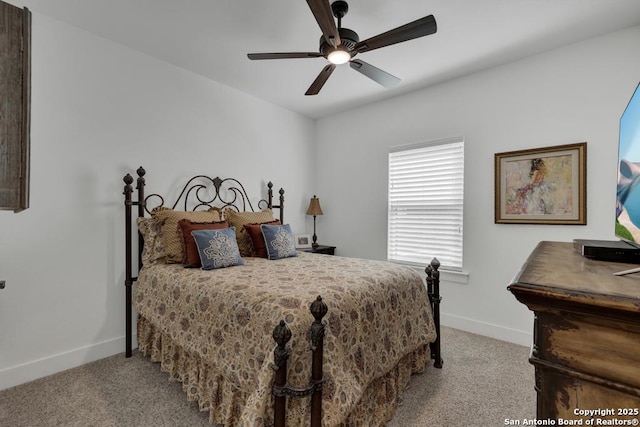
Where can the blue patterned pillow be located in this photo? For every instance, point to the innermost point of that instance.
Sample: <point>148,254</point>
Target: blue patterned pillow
<point>279,241</point>
<point>217,248</point>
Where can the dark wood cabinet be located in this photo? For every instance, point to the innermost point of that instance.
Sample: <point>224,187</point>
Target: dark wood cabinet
<point>586,348</point>
<point>15,87</point>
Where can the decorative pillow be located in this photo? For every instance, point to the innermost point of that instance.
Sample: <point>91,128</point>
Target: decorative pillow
<point>168,219</point>
<point>257,239</point>
<point>190,254</point>
<point>152,250</point>
<point>279,241</point>
<point>217,209</point>
<point>217,248</point>
<point>239,219</point>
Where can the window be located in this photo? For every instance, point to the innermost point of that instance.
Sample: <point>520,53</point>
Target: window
<point>426,203</point>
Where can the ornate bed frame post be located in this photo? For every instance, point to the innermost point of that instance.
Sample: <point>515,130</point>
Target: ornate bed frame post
<point>270,200</point>
<point>129,279</point>
<point>318,310</point>
<point>281,335</point>
<point>141,206</point>
<point>433,290</point>
<point>281,207</point>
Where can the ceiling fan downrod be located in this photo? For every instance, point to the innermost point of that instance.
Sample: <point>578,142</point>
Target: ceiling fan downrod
<point>339,9</point>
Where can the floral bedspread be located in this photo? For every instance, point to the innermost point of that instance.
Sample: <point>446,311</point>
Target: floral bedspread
<point>223,319</point>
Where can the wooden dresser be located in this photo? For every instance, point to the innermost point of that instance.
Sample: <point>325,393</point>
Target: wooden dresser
<point>586,345</point>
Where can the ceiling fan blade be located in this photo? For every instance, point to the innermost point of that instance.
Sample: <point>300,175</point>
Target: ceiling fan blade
<point>413,30</point>
<point>284,55</point>
<point>324,16</point>
<point>320,80</point>
<point>374,73</point>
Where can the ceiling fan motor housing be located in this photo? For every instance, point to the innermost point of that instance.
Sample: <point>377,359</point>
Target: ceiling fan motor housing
<point>348,39</point>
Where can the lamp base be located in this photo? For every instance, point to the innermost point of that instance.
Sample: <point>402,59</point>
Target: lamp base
<point>315,237</point>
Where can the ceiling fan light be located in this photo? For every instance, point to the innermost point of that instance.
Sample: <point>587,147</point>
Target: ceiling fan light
<point>339,56</point>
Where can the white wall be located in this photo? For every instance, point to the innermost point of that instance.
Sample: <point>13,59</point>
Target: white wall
<point>100,110</point>
<point>573,94</point>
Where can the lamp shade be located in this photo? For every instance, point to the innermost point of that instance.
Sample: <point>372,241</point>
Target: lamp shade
<point>314,206</point>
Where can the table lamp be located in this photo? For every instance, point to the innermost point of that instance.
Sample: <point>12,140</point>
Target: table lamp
<point>314,209</point>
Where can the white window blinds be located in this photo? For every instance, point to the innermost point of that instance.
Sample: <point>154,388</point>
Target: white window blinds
<point>426,203</point>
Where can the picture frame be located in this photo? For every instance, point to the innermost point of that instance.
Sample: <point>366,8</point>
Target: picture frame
<point>303,241</point>
<point>542,185</point>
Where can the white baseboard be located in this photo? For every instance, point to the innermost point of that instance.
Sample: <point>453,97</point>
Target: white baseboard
<point>487,329</point>
<point>35,369</point>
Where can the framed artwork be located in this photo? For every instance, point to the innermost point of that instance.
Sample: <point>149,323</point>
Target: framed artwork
<point>542,185</point>
<point>303,241</point>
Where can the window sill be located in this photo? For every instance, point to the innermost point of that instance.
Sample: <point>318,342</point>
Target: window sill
<point>461,277</point>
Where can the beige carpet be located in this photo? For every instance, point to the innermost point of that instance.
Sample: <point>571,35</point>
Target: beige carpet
<point>483,382</point>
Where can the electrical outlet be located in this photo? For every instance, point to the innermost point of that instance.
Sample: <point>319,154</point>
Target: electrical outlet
<point>2,284</point>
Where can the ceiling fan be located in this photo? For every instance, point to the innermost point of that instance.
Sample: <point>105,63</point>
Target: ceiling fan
<point>339,45</point>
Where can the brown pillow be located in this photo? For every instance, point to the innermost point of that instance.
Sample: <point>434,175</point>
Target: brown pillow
<point>152,250</point>
<point>168,219</point>
<point>257,239</point>
<point>191,256</point>
<point>239,219</point>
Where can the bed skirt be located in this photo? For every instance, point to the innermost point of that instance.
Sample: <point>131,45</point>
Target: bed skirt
<point>228,405</point>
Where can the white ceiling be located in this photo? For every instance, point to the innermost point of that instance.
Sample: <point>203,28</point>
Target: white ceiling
<point>212,38</point>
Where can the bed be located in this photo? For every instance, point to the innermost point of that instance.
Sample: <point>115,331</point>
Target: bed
<point>301,339</point>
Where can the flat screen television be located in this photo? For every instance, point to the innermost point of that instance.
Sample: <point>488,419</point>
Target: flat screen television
<point>628,188</point>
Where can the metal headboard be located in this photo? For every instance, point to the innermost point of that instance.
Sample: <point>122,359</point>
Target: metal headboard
<point>199,192</point>
<point>202,191</point>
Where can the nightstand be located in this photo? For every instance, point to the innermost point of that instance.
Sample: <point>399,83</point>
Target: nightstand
<point>321,249</point>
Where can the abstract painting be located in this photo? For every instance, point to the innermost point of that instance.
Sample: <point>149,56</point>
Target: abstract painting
<point>542,185</point>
